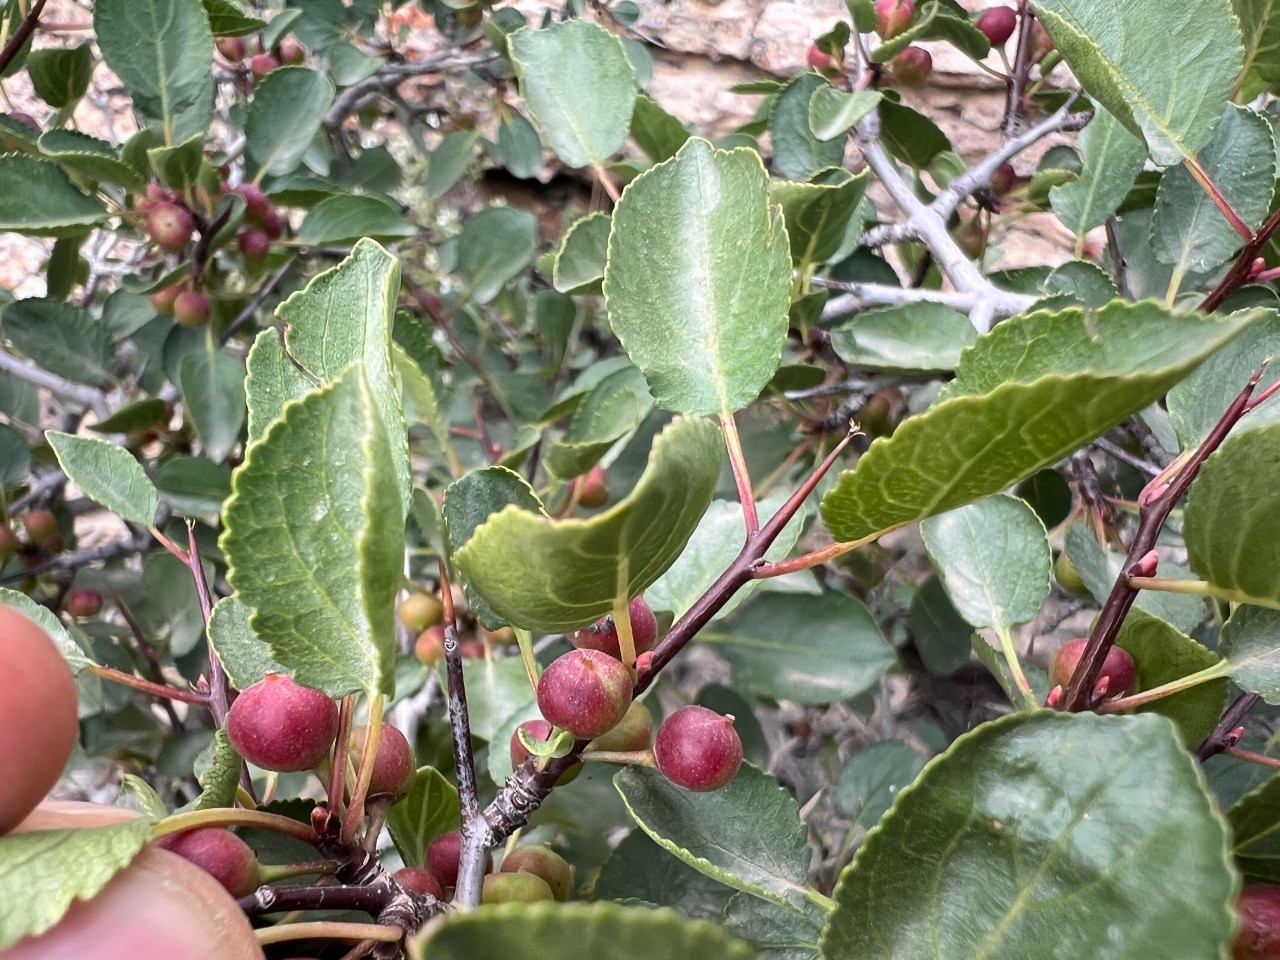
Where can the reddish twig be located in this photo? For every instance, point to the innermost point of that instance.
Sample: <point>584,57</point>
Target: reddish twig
<point>21,35</point>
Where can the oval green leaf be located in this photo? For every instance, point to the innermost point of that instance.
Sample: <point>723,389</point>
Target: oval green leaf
<point>284,116</point>
<point>108,474</point>
<point>1250,641</point>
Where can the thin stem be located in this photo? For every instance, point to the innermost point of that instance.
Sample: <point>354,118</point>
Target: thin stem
<point>606,181</point>
<point>1201,588</point>
<point>1021,72</point>
<point>1240,270</point>
<point>338,764</point>
<point>273,872</point>
<point>740,474</point>
<point>1220,669</point>
<point>327,930</point>
<point>1015,666</point>
<point>861,296</point>
<point>1249,756</point>
<point>622,623</point>
<point>372,738</point>
<point>816,557</point>
<point>474,829</point>
<point>25,29</point>
<point>524,640</point>
<point>233,817</point>
<point>1219,199</point>
<point>270,899</point>
<point>259,298</point>
<point>1225,735</point>
<point>643,758</point>
<point>147,686</point>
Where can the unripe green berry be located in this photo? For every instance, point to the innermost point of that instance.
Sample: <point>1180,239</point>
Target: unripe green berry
<point>420,610</point>
<point>515,888</point>
<point>191,309</point>
<point>542,862</point>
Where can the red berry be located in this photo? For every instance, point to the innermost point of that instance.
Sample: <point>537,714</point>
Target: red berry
<point>912,66</point>
<point>279,725</point>
<point>586,692</point>
<point>1118,669</point>
<point>1259,936</point>
<point>820,60</point>
<point>254,245</point>
<point>1041,42</point>
<point>471,650</point>
<point>541,862</point>
<point>261,64</point>
<point>221,854</point>
<point>162,301</point>
<point>256,203</point>
<point>292,52</point>
<point>893,16</point>
<point>41,524</point>
<point>698,749</point>
<point>998,24</point>
<point>442,858</point>
<point>419,881</point>
<point>83,602</point>
<point>418,611</point>
<point>515,888</point>
<point>1003,179</point>
<point>394,766</point>
<point>191,309</point>
<point>592,489</point>
<point>273,224</point>
<point>429,647</point>
<point>603,634</point>
<point>170,225</point>
<point>231,48</point>
<point>27,120</point>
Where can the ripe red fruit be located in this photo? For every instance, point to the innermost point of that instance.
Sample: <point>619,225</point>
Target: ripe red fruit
<point>221,854</point>
<point>998,24</point>
<point>292,52</point>
<point>603,634</point>
<point>586,692</point>
<point>420,610</point>
<point>542,862</point>
<point>256,203</point>
<point>162,301</point>
<point>419,881</point>
<point>394,766</point>
<point>893,16</point>
<point>41,524</point>
<point>83,602</point>
<point>820,60</point>
<point>592,488</point>
<point>261,64</point>
<point>1119,672</point>
<point>231,48</point>
<point>471,650</point>
<point>191,309</point>
<point>1003,179</point>
<point>912,66</point>
<point>273,223</point>
<point>170,225</point>
<point>254,245</point>
<point>38,724</point>
<point>1259,936</point>
<point>429,647</point>
<point>279,725</point>
<point>515,888</point>
<point>442,858</point>
<point>698,749</point>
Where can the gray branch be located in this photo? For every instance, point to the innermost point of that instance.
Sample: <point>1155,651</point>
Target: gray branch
<point>85,396</point>
<point>864,296</point>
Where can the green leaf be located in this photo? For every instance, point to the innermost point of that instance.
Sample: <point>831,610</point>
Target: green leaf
<point>271,381</point>
<point>798,153</point>
<point>217,770</point>
<point>90,159</point>
<point>60,337</point>
<point>346,218</point>
<point>998,665</point>
<point>941,636</point>
<point>448,162</point>
<point>640,870</point>
<point>807,649</point>
<point>704,318</point>
<point>1260,24</point>
<point>1037,849</point>
<point>497,692</point>
<point>1165,78</point>
<point>579,264</point>
<point>1163,654</point>
<point>832,112</point>
<point>162,51</point>
<point>777,933</point>
<point>991,428</point>
<point>715,543</point>
<point>1249,642</point>
<point>910,136</point>
<point>144,797</point>
<point>1187,229</point>
<point>429,810</point>
<point>212,385</point>
<point>1198,402</point>
<point>614,407</point>
<point>1112,159</point>
<point>817,215</point>
<point>244,656</point>
<point>1100,567</point>
<point>577,931</point>
<point>108,475</point>
<point>47,870</point>
<point>518,148</point>
<point>871,779</point>
<point>556,575</point>
<point>916,336</point>
<point>60,76</point>
<point>656,132</point>
<point>228,19</point>
<point>495,245</point>
<point>38,199</point>
<point>1231,523</point>
<point>769,861</point>
<point>15,458</point>
<point>178,167</point>
<point>578,85</point>
<point>314,539</point>
<point>994,559</point>
<point>194,486</point>
<point>346,315</point>
<point>1253,820</point>
<point>468,502</point>
<point>284,116</point>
